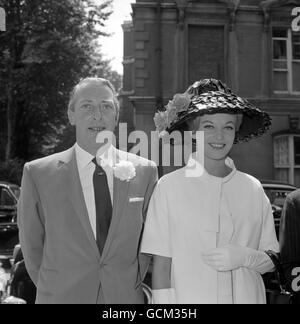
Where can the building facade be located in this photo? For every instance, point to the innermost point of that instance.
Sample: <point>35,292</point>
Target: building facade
<point>249,44</point>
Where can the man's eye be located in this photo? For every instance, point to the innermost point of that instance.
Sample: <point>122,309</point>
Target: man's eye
<point>87,107</point>
<point>107,107</point>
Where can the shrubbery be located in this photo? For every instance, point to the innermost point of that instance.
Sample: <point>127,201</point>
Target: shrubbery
<point>12,171</point>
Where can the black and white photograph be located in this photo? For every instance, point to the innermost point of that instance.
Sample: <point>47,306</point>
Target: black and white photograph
<point>149,154</point>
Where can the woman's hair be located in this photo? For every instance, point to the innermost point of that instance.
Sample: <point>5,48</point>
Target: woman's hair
<point>239,121</point>
<point>193,124</point>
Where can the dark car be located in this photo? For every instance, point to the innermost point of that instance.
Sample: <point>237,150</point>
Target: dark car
<point>277,192</point>
<point>9,194</point>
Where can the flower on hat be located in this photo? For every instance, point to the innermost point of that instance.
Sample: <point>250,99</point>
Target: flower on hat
<point>124,170</point>
<point>164,119</point>
<point>180,102</point>
<point>161,120</point>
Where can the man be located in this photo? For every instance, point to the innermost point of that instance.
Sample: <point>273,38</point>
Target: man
<point>80,221</point>
<point>290,242</point>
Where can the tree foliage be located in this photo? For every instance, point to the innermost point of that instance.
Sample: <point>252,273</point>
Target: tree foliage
<point>48,47</point>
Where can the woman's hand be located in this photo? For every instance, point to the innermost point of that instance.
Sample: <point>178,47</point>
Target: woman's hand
<point>231,257</point>
<point>227,258</point>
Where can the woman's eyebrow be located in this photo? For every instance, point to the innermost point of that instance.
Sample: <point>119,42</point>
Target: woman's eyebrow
<point>206,121</point>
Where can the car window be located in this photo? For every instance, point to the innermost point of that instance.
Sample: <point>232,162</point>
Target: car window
<point>15,190</point>
<point>5,198</point>
<point>277,196</point>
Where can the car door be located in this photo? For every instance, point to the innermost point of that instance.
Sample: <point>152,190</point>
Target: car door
<point>8,226</point>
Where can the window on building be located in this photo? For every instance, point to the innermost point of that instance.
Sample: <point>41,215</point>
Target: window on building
<point>206,52</point>
<point>297,151</point>
<point>286,61</point>
<point>287,158</point>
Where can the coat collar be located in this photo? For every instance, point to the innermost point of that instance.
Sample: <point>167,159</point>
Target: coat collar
<point>195,169</point>
<point>213,189</point>
<point>121,189</point>
<point>68,165</point>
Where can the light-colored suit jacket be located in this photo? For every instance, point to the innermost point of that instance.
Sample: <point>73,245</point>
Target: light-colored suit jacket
<point>60,250</point>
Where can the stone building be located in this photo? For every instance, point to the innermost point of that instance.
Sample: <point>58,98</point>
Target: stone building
<point>249,44</point>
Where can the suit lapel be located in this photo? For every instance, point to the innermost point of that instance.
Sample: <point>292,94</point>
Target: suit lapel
<point>120,189</point>
<point>75,194</point>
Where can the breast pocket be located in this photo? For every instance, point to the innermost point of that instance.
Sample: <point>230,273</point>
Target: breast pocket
<point>135,207</point>
<point>132,222</point>
<point>135,210</point>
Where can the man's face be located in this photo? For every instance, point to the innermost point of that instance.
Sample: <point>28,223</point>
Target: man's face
<point>94,112</point>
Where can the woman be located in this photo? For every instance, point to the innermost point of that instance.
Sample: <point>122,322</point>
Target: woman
<point>208,233</point>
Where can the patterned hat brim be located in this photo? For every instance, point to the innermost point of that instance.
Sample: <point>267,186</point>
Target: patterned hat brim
<point>255,121</point>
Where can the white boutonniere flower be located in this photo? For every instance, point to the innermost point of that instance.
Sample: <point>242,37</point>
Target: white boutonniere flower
<point>124,170</point>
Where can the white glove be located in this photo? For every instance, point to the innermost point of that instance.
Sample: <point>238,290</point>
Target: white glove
<point>163,296</point>
<point>231,257</point>
<point>13,300</point>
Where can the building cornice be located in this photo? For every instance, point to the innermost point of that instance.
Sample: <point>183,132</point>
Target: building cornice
<point>232,6</point>
<point>128,60</point>
<point>181,5</point>
<point>278,106</point>
<point>126,93</point>
<point>267,6</point>
<point>153,5</point>
<point>127,26</point>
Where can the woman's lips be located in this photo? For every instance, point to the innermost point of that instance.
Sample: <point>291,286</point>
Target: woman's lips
<point>217,146</point>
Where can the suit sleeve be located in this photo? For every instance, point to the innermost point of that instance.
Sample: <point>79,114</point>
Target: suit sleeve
<point>268,239</point>
<point>290,232</point>
<point>290,238</point>
<point>144,260</point>
<point>157,236</point>
<point>31,225</point>
<point>151,185</point>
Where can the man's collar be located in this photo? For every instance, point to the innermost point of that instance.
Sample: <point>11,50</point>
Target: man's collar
<point>197,169</point>
<point>105,156</point>
<point>83,157</point>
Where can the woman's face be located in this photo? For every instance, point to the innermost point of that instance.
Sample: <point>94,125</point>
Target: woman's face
<point>219,134</point>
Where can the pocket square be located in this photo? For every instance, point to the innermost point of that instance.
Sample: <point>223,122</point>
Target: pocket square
<point>136,199</point>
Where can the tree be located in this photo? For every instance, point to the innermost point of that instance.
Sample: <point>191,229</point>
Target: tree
<point>49,45</point>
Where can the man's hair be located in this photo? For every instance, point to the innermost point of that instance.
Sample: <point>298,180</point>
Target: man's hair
<point>99,81</point>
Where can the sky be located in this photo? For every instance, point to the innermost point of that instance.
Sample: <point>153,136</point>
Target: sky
<point>112,47</point>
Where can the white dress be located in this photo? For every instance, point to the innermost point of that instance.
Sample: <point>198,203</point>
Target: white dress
<point>191,215</point>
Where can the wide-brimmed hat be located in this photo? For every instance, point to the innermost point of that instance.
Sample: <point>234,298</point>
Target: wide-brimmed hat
<point>210,96</point>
